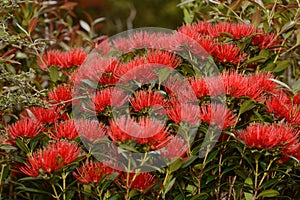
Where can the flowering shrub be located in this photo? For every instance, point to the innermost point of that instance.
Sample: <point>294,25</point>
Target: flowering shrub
<point>147,117</point>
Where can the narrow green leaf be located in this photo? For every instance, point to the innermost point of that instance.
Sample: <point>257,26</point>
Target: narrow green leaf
<point>168,187</point>
<point>268,193</point>
<point>175,165</point>
<point>201,196</point>
<point>26,189</point>
<point>246,106</point>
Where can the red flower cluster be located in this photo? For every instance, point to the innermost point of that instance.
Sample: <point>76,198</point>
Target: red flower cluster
<point>218,115</point>
<point>282,106</point>
<point>64,129</point>
<point>62,94</point>
<point>140,181</point>
<point>74,57</point>
<point>93,172</point>
<point>43,115</point>
<point>232,83</point>
<point>107,97</point>
<point>272,136</point>
<point>91,130</point>
<point>51,158</point>
<point>147,99</point>
<point>24,128</point>
<point>145,131</point>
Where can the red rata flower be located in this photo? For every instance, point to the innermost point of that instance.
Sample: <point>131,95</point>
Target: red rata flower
<point>91,130</point>
<point>25,128</point>
<point>228,53</point>
<point>140,181</point>
<point>146,99</point>
<point>65,129</point>
<point>146,131</point>
<point>61,94</point>
<point>92,172</point>
<point>183,112</point>
<point>51,158</point>
<point>43,115</point>
<point>176,147</point>
<point>108,97</point>
<point>270,136</point>
<point>265,41</point>
<point>163,58</point>
<point>217,114</point>
<point>74,57</point>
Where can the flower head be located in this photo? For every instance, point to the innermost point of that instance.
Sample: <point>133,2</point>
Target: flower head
<point>61,94</point>
<point>91,130</point>
<point>140,181</point>
<point>92,172</point>
<point>65,129</point>
<point>26,127</point>
<point>43,115</point>
<point>51,158</point>
<point>218,115</point>
<point>260,136</point>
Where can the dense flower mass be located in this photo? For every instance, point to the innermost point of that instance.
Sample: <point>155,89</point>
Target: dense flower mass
<point>43,115</point>
<point>24,128</point>
<point>65,129</point>
<point>147,99</point>
<point>62,94</point>
<point>61,59</point>
<point>140,181</point>
<point>51,158</point>
<point>93,172</point>
<point>145,131</point>
<point>271,136</point>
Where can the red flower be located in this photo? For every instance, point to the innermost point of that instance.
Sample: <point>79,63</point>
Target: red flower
<point>216,30</point>
<point>74,57</point>
<point>61,94</point>
<point>176,147</point>
<point>108,97</point>
<point>241,30</point>
<point>199,87</point>
<point>140,181</point>
<point>65,129</point>
<point>25,128</point>
<point>217,114</point>
<point>91,130</point>
<point>270,136</point>
<point>146,99</point>
<point>92,172</point>
<point>51,158</point>
<point>296,99</point>
<point>265,41</point>
<point>146,131</point>
<point>183,112</point>
<point>43,115</point>
<point>163,58</point>
<point>228,53</point>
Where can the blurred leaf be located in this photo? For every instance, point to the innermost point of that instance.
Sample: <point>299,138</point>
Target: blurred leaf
<point>22,145</point>
<point>98,20</point>
<point>85,26</point>
<point>68,5</point>
<point>281,65</point>
<point>20,27</point>
<point>26,189</point>
<point>185,2</point>
<point>256,18</point>
<point>281,83</point>
<point>175,165</point>
<point>32,24</point>
<point>53,72</point>
<point>201,196</point>
<point>296,86</point>
<point>268,193</point>
<point>248,196</point>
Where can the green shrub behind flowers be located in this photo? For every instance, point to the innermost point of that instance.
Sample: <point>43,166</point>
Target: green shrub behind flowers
<point>47,153</point>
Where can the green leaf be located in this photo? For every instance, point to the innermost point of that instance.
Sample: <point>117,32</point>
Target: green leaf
<point>281,83</point>
<point>256,59</point>
<point>53,73</point>
<point>256,18</point>
<point>296,86</point>
<point>163,74</point>
<point>22,145</point>
<point>26,189</point>
<point>168,187</point>
<point>268,193</point>
<point>175,165</point>
<point>189,161</point>
<point>248,182</point>
<point>281,65</point>
<point>201,196</point>
<point>246,106</point>
<point>248,196</point>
